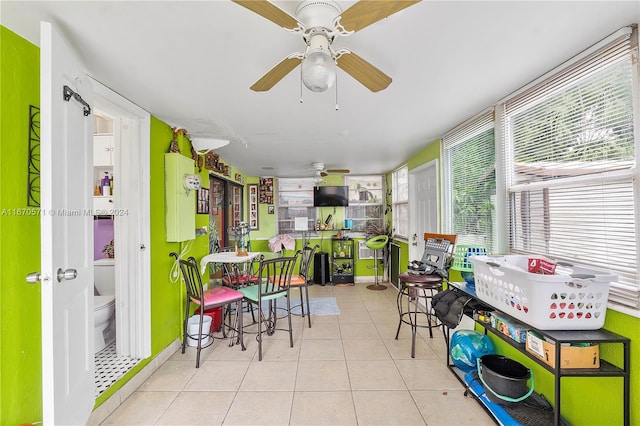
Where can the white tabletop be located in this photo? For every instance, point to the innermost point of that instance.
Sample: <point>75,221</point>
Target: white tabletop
<point>226,257</point>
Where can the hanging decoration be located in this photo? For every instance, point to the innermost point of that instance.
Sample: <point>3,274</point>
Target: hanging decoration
<point>33,168</point>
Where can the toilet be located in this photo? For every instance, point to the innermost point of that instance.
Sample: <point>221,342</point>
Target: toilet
<point>104,305</point>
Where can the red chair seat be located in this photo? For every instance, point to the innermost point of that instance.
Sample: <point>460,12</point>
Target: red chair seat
<point>239,279</point>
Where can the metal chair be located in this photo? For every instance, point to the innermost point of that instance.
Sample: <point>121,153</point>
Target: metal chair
<point>377,243</point>
<point>206,299</point>
<point>274,279</point>
<point>237,276</point>
<point>419,287</point>
<point>301,280</point>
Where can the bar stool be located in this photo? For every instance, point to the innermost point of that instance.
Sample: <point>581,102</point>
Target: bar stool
<point>376,243</point>
<point>418,288</point>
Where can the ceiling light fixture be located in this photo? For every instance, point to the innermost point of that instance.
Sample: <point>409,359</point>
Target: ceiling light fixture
<point>204,145</point>
<point>318,67</point>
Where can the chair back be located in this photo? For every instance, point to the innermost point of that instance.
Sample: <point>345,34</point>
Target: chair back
<point>305,260</point>
<point>192,278</point>
<point>439,249</point>
<point>274,275</point>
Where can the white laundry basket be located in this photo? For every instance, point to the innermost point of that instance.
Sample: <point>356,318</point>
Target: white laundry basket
<point>193,327</point>
<point>574,298</point>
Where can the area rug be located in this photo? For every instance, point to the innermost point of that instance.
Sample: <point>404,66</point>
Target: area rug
<point>317,305</point>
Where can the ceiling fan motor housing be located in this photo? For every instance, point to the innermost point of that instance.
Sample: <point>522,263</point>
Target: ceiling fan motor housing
<point>318,13</point>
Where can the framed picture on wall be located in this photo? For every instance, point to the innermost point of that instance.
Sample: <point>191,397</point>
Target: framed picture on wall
<point>203,201</point>
<point>253,206</point>
<point>266,190</point>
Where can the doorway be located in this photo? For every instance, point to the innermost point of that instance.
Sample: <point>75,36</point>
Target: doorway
<point>423,206</point>
<point>225,210</point>
<point>128,218</point>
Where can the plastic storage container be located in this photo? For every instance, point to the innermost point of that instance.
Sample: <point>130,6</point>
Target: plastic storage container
<point>193,327</point>
<point>575,298</point>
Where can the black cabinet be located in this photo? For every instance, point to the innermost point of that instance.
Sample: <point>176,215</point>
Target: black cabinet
<point>342,262</point>
<point>321,268</point>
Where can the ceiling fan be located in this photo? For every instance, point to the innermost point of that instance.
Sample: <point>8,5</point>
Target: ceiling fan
<point>320,172</point>
<point>319,22</point>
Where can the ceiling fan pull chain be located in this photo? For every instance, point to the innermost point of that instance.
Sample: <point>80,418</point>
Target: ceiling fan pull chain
<point>301,100</point>
<point>337,107</point>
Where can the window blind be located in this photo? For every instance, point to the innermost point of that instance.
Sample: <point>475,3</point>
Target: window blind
<point>400,197</point>
<point>469,179</point>
<point>570,152</point>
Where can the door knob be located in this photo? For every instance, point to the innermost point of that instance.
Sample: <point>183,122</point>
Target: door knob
<point>68,274</point>
<point>34,277</point>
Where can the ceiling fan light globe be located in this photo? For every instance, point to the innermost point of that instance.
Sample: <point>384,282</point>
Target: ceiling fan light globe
<point>318,71</point>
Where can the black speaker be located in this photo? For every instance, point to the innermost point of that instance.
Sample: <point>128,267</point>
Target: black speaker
<point>321,268</point>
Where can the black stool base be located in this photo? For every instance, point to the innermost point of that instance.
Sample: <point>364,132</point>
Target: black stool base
<point>377,287</point>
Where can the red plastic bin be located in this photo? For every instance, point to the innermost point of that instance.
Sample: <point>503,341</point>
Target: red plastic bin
<point>216,317</point>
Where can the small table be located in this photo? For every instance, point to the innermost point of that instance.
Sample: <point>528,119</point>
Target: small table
<point>226,258</point>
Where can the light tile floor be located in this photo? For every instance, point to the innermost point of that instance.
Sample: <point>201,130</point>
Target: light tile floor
<point>345,370</point>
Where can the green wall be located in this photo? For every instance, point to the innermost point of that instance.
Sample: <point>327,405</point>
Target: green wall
<point>20,343</point>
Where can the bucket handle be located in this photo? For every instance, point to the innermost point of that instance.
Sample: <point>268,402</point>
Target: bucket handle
<point>504,397</point>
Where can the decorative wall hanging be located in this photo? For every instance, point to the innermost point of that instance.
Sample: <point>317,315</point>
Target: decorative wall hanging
<point>33,168</point>
<point>266,190</point>
<point>197,158</point>
<point>271,209</point>
<point>253,206</point>
<point>211,161</point>
<point>203,201</point>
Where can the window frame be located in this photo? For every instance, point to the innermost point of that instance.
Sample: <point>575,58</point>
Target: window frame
<point>623,296</point>
<point>305,186</point>
<point>400,202</point>
<point>470,133</point>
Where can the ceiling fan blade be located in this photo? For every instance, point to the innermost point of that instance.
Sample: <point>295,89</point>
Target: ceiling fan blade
<point>367,12</point>
<point>276,74</point>
<point>368,75</point>
<point>271,12</point>
<point>328,172</point>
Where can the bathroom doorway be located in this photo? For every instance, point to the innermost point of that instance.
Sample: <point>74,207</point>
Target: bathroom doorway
<point>122,229</point>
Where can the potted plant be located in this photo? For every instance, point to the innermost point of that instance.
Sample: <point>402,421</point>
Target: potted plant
<point>108,249</point>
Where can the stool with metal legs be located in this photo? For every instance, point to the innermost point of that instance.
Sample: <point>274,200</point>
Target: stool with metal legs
<point>417,288</point>
<point>375,244</point>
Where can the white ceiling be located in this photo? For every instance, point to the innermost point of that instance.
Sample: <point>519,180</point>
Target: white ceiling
<point>190,63</point>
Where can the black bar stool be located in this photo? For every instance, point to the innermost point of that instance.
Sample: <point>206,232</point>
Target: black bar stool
<point>418,287</point>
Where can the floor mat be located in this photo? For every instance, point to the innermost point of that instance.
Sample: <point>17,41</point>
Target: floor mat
<point>317,305</point>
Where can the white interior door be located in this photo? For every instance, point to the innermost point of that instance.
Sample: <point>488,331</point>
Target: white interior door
<point>423,207</point>
<point>66,153</point>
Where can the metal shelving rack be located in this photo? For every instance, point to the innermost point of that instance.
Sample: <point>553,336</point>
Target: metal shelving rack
<point>560,337</point>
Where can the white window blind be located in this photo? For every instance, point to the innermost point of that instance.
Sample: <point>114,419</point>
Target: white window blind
<point>366,204</point>
<point>470,181</point>
<point>295,200</point>
<point>571,176</point>
<point>400,199</point>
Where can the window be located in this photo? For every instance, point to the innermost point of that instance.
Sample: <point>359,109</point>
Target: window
<point>470,181</point>
<point>570,169</point>
<point>295,200</point>
<point>400,212</point>
<point>366,204</point>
